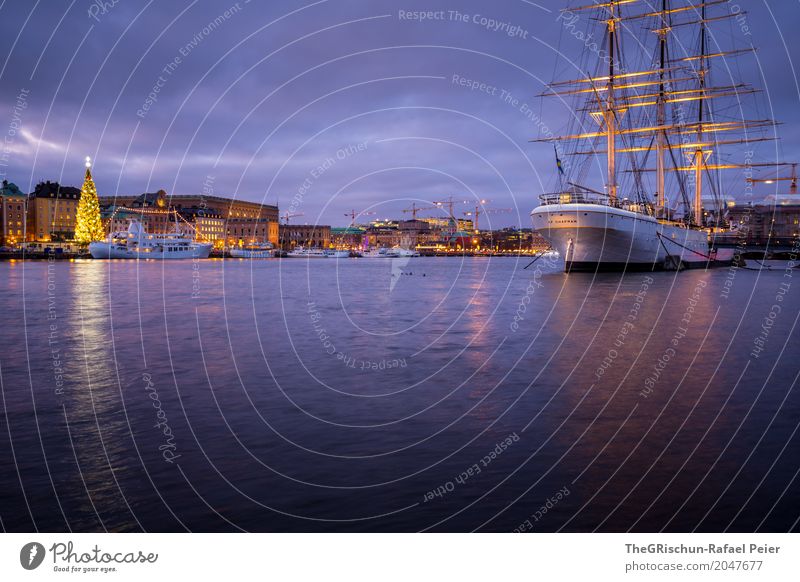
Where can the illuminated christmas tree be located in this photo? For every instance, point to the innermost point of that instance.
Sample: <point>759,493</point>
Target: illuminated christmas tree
<point>88,225</point>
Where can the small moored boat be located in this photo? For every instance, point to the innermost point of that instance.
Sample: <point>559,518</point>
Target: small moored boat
<point>256,251</point>
<point>304,253</point>
<point>378,253</point>
<point>399,252</point>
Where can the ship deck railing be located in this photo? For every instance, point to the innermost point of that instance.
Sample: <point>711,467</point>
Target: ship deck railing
<point>578,198</point>
<point>602,200</point>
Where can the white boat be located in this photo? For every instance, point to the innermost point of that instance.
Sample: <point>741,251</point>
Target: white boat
<point>399,252</point>
<point>337,254</point>
<point>304,253</point>
<point>650,116</point>
<point>256,251</point>
<point>379,253</point>
<point>136,243</point>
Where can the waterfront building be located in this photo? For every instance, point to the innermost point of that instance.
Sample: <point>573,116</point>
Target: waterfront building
<point>52,210</point>
<point>446,223</point>
<point>513,240</point>
<point>417,229</point>
<point>304,235</point>
<point>383,233</point>
<point>152,209</point>
<point>208,224</point>
<point>202,224</point>
<point>349,237</point>
<point>243,222</point>
<point>116,218</point>
<point>13,214</point>
<point>775,220</point>
<point>404,233</point>
<point>417,232</point>
<point>154,220</point>
<point>463,240</point>
<point>248,231</point>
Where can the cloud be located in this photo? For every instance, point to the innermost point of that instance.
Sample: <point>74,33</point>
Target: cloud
<point>37,143</point>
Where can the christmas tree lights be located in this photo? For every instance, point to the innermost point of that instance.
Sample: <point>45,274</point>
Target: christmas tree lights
<point>89,226</point>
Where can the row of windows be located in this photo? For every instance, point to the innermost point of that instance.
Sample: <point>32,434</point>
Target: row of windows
<point>249,231</point>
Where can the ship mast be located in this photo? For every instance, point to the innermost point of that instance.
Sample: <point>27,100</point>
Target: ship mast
<point>699,154</point>
<point>666,85</point>
<point>661,114</point>
<point>610,113</point>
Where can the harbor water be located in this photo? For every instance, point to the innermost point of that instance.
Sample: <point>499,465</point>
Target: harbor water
<point>436,394</point>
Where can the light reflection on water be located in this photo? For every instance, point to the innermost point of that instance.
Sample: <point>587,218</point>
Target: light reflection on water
<point>333,395</point>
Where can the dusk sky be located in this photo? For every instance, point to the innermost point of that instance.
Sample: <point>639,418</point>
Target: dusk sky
<point>251,98</point>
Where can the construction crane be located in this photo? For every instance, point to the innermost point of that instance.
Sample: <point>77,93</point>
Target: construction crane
<point>353,215</point>
<point>287,215</point>
<point>449,203</point>
<point>414,209</point>
<point>791,178</point>
<point>478,211</point>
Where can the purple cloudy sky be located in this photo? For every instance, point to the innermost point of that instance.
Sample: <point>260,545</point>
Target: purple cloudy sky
<point>251,102</point>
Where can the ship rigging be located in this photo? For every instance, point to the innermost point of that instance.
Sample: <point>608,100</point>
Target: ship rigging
<point>650,96</point>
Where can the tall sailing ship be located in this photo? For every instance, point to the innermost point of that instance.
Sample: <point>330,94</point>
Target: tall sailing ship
<point>647,108</point>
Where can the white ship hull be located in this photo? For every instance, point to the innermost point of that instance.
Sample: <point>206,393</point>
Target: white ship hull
<point>105,250</point>
<point>594,237</point>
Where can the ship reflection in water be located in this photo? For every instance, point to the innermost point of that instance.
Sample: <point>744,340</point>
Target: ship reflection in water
<point>436,394</point>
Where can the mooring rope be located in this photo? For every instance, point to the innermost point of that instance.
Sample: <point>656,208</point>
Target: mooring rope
<point>661,237</point>
<point>710,258</point>
<point>678,266</point>
<point>535,259</point>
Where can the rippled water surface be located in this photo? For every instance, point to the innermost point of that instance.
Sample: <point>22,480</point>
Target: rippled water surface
<point>365,395</point>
